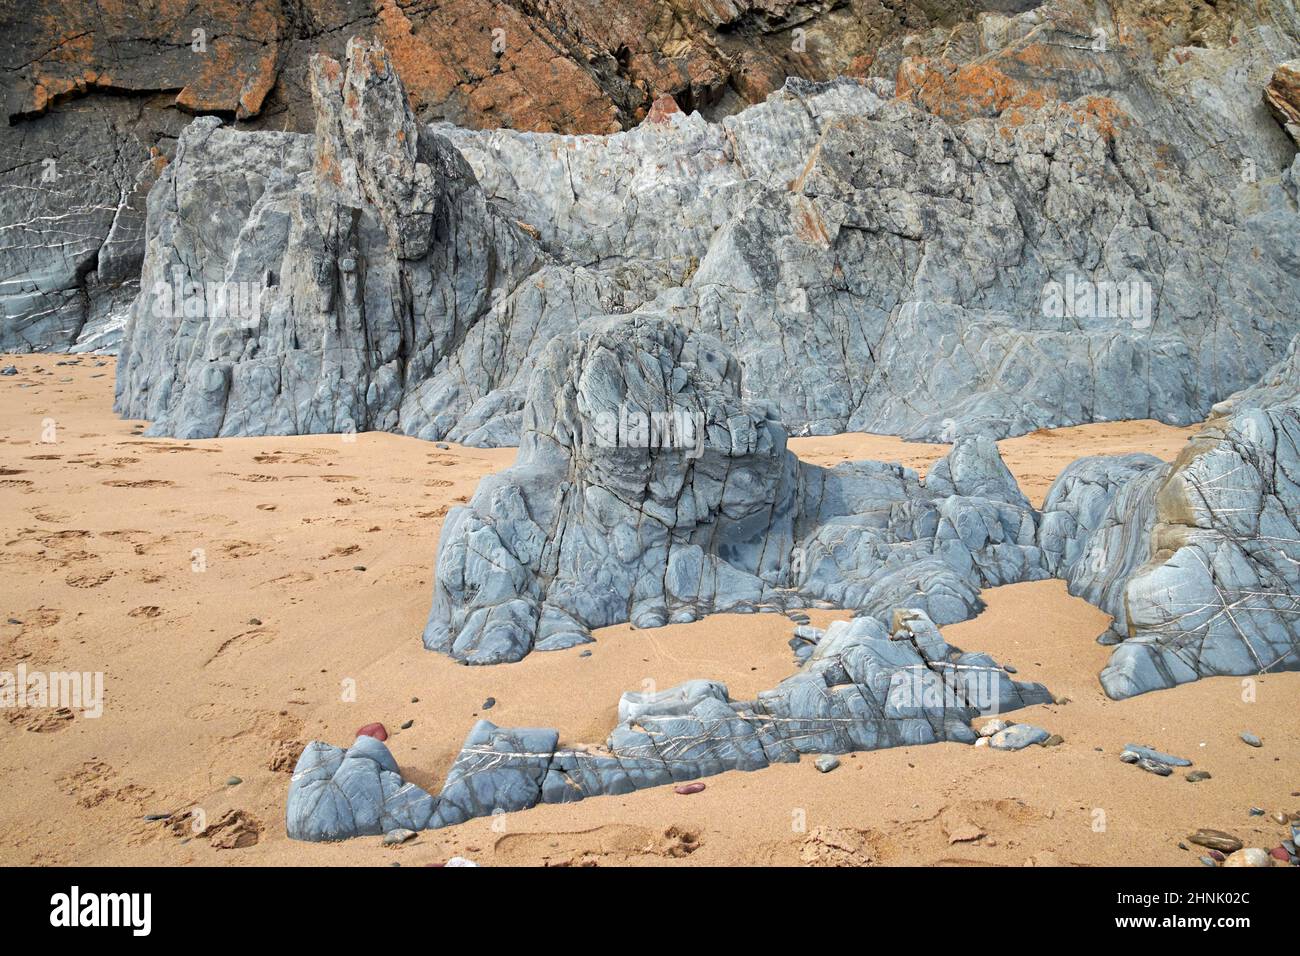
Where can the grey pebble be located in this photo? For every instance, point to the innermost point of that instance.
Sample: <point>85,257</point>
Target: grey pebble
<point>826,763</point>
<point>408,725</point>
<point>489,703</point>
<point>1251,739</point>
<point>233,781</point>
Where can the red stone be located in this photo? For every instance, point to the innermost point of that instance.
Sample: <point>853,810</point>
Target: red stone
<point>1280,853</point>
<point>688,788</point>
<point>375,730</point>
<point>662,108</point>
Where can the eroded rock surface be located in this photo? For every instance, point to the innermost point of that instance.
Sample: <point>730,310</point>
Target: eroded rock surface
<point>100,90</point>
<point>647,489</point>
<point>863,689</point>
<point>1096,238</point>
<point>1197,560</point>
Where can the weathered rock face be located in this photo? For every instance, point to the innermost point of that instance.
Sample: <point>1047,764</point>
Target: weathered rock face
<point>1197,561</point>
<point>101,91</point>
<point>929,264</point>
<point>648,490</point>
<point>1220,593</point>
<point>864,688</point>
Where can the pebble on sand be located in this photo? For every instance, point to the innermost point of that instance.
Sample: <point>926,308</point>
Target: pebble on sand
<point>1196,776</point>
<point>1018,737</point>
<point>994,726</point>
<point>826,763</point>
<point>1154,766</point>
<point>376,730</point>
<point>1215,840</point>
<point>407,725</point>
<point>1169,759</point>
<point>489,703</point>
<point>1251,739</point>
<point>689,788</point>
<point>233,781</point>
<point>397,836</point>
<point>1250,856</point>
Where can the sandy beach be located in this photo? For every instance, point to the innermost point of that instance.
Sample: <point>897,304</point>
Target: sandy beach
<point>235,591</point>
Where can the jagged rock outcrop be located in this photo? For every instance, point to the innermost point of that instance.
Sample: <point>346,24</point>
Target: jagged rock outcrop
<point>903,257</point>
<point>1197,561</point>
<point>101,91</point>
<point>863,689</point>
<point>647,489</point>
<point>1220,591</point>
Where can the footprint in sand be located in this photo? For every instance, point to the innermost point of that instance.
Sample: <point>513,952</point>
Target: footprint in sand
<point>255,637</point>
<point>240,549</point>
<point>147,611</point>
<point>142,483</point>
<point>12,471</point>
<point>88,580</point>
<point>612,843</point>
<point>41,721</point>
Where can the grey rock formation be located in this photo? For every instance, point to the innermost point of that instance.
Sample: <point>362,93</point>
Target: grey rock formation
<point>863,689</point>
<point>1220,593</point>
<point>1197,560</point>
<point>890,255</point>
<point>339,793</point>
<point>648,490</point>
<point>72,222</point>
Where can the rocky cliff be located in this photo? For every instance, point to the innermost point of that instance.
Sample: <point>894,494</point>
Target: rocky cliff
<point>1055,230</point>
<point>95,95</point>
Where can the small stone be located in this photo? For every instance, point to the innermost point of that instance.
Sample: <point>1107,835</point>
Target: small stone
<point>397,837</point>
<point>799,617</point>
<point>14,620</point>
<point>982,742</point>
<point>689,788</point>
<point>1207,861</point>
<point>1251,739</point>
<point>415,700</point>
<point>1280,853</point>
<point>489,703</point>
<point>1256,811</point>
<point>408,725</point>
<point>1217,856</point>
<point>358,567</point>
<point>1009,669</point>
<point>1215,840</point>
<point>233,781</point>
<point>826,763</point>
<point>153,817</point>
<point>1196,776</point>
<point>1280,818</point>
<point>585,654</point>
<point>1018,737</point>
<point>993,727</point>
<point>1250,856</point>
<point>1129,756</point>
<point>1054,741</point>
<point>255,621</point>
<point>1154,766</point>
<point>442,445</point>
<point>376,730</point>
<point>1143,751</point>
<point>460,861</point>
<point>9,370</point>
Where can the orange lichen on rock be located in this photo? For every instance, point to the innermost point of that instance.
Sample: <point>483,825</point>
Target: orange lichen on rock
<point>961,93</point>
